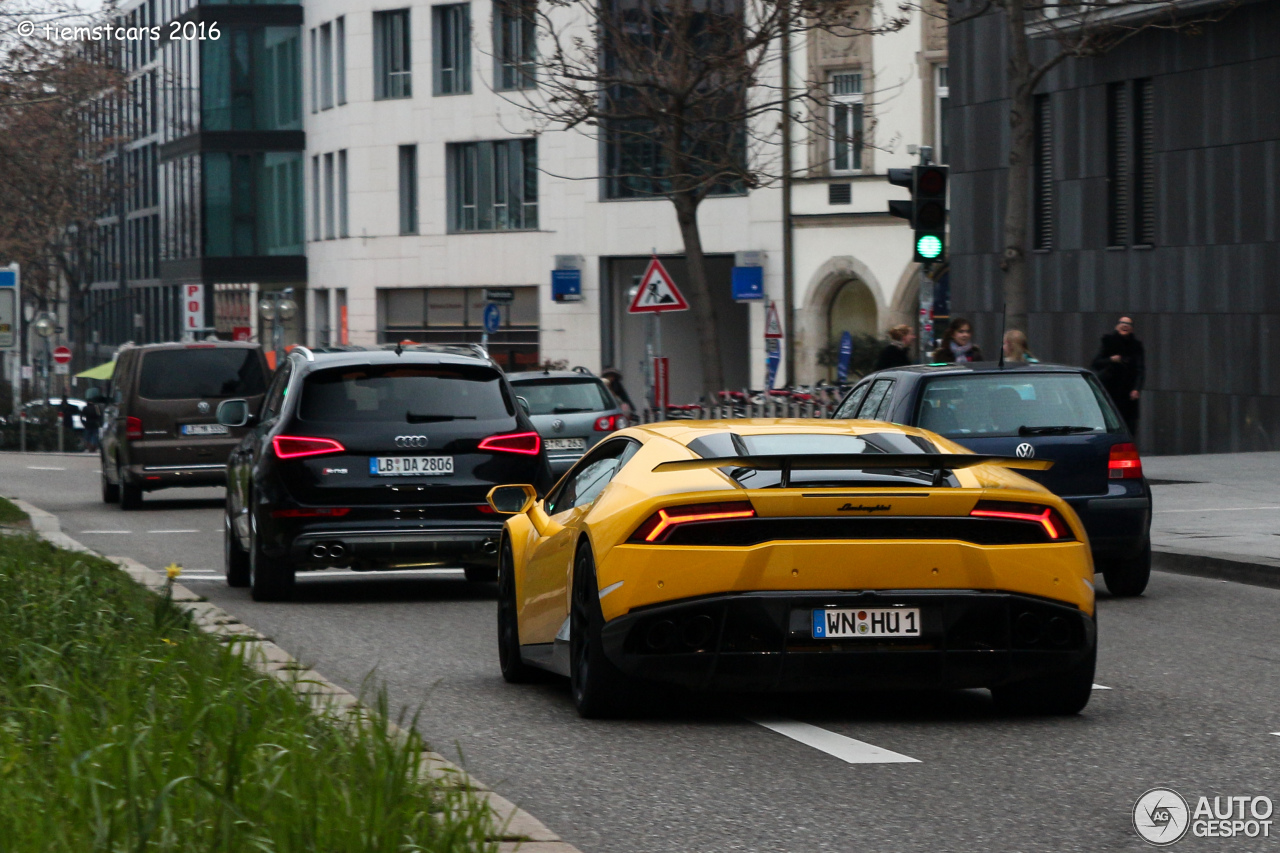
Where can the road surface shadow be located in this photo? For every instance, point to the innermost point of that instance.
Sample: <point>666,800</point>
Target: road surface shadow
<point>317,589</point>
<point>166,504</point>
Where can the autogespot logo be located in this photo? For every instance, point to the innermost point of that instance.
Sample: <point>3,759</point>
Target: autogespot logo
<point>1161,816</point>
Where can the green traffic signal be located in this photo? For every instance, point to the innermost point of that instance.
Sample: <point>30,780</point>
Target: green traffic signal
<point>928,247</point>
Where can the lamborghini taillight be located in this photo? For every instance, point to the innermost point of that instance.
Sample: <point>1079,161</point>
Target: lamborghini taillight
<point>1054,525</point>
<point>659,526</point>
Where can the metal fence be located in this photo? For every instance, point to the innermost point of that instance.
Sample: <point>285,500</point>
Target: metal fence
<point>818,401</point>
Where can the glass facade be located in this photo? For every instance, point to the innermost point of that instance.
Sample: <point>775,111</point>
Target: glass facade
<point>251,79</point>
<point>253,203</point>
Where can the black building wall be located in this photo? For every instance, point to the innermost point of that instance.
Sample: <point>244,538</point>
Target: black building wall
<point>1204,295</point>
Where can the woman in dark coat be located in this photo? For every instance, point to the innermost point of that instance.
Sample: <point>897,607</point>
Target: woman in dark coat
<point>898,351</point>
<point>957,344</point>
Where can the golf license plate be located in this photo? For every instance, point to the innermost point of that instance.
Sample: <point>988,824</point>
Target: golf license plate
<point>854,622</point>
<point>204,429</point>
<point>410,466</point>
<point>566,444</point>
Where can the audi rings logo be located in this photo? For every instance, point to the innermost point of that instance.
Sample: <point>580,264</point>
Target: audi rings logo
<point>1161,817</point>
<point>411,441</point>
<point>1025,451</point>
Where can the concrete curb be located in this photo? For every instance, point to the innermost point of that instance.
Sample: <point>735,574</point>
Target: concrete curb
<point>513,828</point>
<point>1240,568</point>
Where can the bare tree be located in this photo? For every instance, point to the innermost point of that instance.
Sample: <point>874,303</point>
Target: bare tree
<point>686,98</point>
<point>1041,35</point>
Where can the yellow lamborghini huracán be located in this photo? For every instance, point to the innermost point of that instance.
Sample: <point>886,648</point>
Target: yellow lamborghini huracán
<point>790,555</point>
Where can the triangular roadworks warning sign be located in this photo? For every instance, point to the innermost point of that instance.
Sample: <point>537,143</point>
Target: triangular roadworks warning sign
<point>772,326</point>
<point>657,292</point>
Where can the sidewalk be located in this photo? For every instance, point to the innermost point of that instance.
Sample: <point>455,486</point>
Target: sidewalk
<point>1217,515</point>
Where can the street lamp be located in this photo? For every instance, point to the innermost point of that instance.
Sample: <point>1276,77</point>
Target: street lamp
<point>277,308</point>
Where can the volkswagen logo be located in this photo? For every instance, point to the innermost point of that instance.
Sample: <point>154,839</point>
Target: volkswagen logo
<point>557,425</point>
<point>1024,451</point>
<point>411,441</point>
<point>202,407</point>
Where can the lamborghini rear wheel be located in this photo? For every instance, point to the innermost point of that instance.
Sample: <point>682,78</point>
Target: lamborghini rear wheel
<point>600,690</point>
<point>1061,694</point>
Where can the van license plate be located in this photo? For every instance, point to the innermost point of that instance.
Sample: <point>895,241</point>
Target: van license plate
<point>204,429</point>
<point>866,622</point>
<point>410,466</point>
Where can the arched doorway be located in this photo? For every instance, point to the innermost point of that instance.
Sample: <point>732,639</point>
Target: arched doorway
<point>852,309</point>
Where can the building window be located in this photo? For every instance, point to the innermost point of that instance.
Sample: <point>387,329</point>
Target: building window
<point>1144,185</point>
<point>315,74</point>
<point>320,302</point>
<point>846,122</point>
<point>326,66</point>
<point>452,315</point>
<point>1042,177</point>
<point>941,95</point>
<point>343,229</point>
<point>1119,173</point>
<point>253,204</point>
<point>408,189</point>
<point>493,186</point>
<point>251,79</point>
<point>329,218</point>
<point>315,197</point>
<point>515,43</point>
<point>452,41</point>
<point>391,60</point>
<point>340,58</point>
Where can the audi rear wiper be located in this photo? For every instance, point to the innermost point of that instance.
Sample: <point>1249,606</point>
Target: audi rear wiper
<point>1053,430</point>
<point>431,419</point>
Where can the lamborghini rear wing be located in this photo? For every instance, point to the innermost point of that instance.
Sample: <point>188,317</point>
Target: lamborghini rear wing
<point>786,463</point>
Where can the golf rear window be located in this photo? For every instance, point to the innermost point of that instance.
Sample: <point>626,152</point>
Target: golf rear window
<point>413,393</point>
<point>184,374</point>
<point>1003,404</point>
<point>564,396</point>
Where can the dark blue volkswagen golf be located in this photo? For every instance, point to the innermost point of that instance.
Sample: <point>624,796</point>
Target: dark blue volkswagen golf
<point>1039,411</point>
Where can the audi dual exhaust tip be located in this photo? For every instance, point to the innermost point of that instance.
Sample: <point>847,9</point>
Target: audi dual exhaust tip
<point>327,552</point>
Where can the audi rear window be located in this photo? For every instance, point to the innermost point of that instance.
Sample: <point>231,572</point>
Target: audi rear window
<point>412,393</point>
<point>184,374</point>
<point>564,396</point>
<point>1016,404</point>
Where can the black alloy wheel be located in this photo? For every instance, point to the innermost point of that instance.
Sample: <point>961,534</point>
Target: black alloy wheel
<point>235,560</point>
<point>270,579</point>
<point>1129,577</point>
<point>600,690</point>
<point>110,490</point>
<point>1060,694</point>
<point>514,669</point>
<point>130,494</point>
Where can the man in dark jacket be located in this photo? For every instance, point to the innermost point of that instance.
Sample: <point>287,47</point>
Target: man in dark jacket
<point>1121,364</point>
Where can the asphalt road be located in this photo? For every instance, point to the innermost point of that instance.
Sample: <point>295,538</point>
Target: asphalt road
<point>1193,669</point>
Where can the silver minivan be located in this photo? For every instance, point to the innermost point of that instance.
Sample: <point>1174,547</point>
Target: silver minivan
<point>572,411</point>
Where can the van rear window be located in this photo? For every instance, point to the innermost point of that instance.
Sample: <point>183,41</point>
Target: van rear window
<point>405,393</point>
<point>185,374</point>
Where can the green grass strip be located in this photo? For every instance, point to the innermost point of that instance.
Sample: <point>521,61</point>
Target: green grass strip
<point>10,514</point>
<point>124,728</point>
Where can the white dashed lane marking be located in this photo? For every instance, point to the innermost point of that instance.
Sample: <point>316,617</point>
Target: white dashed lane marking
<point>1100,687</point>
<point>1218,509</point>
<point>100,532</point>
<point>173,531</point>
<point>43,468</point>
<point>838,746</point>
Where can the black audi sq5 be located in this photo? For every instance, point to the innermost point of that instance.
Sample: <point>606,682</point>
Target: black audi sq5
<point>371,458</point>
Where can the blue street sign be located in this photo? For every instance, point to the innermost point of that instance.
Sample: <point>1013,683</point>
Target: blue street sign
<point>846,352</point>
<point>566,285</point>
<point>8,278</point>
<point>748,284</point>
<point>492,317</point>
<point>772,357</point>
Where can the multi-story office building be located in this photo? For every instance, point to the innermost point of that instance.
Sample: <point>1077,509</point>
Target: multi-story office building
<point>426,185</point>
<point>209,166</point>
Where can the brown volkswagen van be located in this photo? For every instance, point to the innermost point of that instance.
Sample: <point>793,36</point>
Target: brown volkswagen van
<point>160,427</point>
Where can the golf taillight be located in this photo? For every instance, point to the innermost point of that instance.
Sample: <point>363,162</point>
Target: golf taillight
<point>1055,526</point>
<point>295,447</point>
<point>132,427</point>
<point>659,525</point>
<point>609,423</point>
<point>527,443</point>
<point>1124,464</point>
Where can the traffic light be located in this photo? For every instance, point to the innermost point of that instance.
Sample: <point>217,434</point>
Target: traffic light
<point>927,209</point>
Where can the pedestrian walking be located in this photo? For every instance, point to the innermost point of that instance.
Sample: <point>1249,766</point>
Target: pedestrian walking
<point>92,421</point>
<point>1017,349</point>
<point>957,344</point>
<point>613,378</point>
<point>1121,364</point>
<point>897,353</point>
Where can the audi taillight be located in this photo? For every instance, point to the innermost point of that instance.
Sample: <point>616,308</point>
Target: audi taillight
<point>1124,464</point>
<point>132,427</point>
<point>1055,526</point>
<point>609,423</point>
<point>526,443</point>
<point>312,512</point>
<point>659,526</point>
<point>294,447</point>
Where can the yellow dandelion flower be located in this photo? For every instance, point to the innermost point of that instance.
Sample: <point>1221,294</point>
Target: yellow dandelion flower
<point>173,570</point>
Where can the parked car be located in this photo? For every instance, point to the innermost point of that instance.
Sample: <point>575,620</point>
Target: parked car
<point>159,424</point>
<point>1039,411</point>
<point>49,411</point>
<point>373,459</point>
<point>572,410</point>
